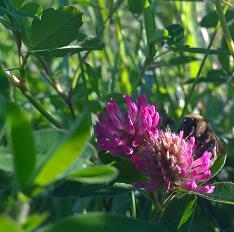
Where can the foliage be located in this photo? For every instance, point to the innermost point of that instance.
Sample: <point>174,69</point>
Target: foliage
<point>61,62</point>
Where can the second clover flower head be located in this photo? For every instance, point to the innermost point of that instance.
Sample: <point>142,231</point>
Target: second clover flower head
<point>166,158</point>
<point>121,132</point>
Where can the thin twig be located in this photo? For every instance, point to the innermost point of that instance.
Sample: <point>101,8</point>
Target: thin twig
<point>51,81</point>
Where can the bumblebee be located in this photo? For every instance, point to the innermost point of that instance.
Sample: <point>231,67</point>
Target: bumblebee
<point>206,140</point>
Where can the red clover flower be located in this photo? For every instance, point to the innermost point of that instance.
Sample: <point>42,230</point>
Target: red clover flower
<point>166,158</point>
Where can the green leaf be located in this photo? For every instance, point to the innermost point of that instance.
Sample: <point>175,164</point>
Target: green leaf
<point>96,175</point>
<point>218,165</point>
<point>8,225</point>
<point>31,9</point>
<point>158,36</point>
<point>136,7</point>
<point>16,3</point>
<point>48,140</point>
<point>149,22</point>
<point>33,221</point>
<point>200,50</point>
<point>23,145</point>
<point>57,28</point>
<point>175,34</point>
<point>216,77</point>
<point>88,44</point>
<point>66,154</point>
<point>224,193</point>
<point>77,189</point>
<point>178,212</point>
<point>100,222</point>
<point>211,19</point>
<point>127,171</point>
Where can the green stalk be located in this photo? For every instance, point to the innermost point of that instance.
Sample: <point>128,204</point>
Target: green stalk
<point>16,82</point>
<point>224,26</point>
<point>187,99</point>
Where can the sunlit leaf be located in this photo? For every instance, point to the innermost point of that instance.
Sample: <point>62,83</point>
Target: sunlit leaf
<point>96,175</point>
<point>66,154</point>
<point>23,145</point>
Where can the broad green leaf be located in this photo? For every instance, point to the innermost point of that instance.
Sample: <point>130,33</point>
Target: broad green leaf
<point>100,222</point>
<point>8,225</point>
<point>218,165</point>
<point>66,154</point>
<point>57,28</point>
<point>88,44</point>
<point>48,140</point>
<point>224,193</point>
<point>23,145</point>
<point>83,160</point>
<point>77,189</point>
<point>178,212</point>
<point>96,175</point>
<point>136,7</point>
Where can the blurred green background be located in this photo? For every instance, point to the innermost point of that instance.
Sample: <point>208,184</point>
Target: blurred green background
<point>174,52</point>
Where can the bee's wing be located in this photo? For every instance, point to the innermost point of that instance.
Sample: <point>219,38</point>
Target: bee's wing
<point>220,146</point>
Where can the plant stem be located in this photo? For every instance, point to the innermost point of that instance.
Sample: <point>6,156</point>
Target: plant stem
<point>67,99</point>
<point>133,204</point>
<point>224,26</point>
<point>187,99</point>
<point>16,82</point>
<point>115,8</point>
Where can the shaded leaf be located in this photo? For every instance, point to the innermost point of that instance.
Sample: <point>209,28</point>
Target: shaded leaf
<point>88,44</point>
<point>136,7</point>
<point>57,28</point>
<point>211,19</point>
<point>100,222</point>
<point>224,193</point>
<point>30,9</point>
<point>218,165</point>
<point>74,188</point>
<point>175,34</point>
<point>178,212</point>
<point>127,171</point>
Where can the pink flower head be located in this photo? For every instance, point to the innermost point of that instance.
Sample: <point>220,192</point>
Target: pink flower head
<point>122,132</point>
<point>169,159</point>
